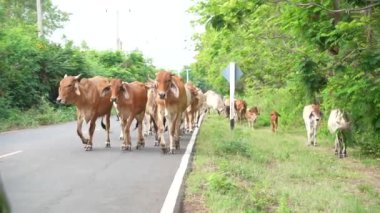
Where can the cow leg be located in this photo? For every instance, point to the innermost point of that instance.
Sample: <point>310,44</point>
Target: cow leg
<point>108,123</point>
<point>336,144</point>
<point>196,118</point>
<point>276,126</point>
<point>155,128</point>
<point>187,122</point>
<point>147,124</point>
<point>140,140</point>
<point>173,133</point>
<point>122,124</point>
<point>191,122</point>
<point>161,128</point>
<point>272,124</point>
<point>127,137</point>
<point>308,132</point>
<point>315,136</point>
<point>342,145</point>
<point>91,131</point>
<point>177,133</point>
<point>79,130</point>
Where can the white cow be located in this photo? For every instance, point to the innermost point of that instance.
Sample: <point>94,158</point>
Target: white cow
<point>336,124</point>
<point>312,118</point>
<point>214,101</point>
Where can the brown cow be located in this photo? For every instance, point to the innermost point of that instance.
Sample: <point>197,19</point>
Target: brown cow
<point>172,100</point>
<point>85,94</point>
<point>131,101</point>
<point>274,120</point>
<point>241,108</point>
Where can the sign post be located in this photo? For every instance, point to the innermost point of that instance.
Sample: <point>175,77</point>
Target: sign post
<point>232,73</point>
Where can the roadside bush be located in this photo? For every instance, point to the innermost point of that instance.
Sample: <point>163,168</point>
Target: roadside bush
<point>233,146</point>
<point>220,183</point>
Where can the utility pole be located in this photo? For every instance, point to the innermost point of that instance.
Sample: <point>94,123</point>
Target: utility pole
<point>187,75</point>
<point>39,19</point>
<point>118,41</point>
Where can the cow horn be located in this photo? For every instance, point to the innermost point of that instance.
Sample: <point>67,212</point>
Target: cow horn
<point>78,76</point>
<point>65,76</point>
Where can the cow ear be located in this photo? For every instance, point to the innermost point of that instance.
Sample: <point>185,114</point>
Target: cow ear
<point>124,89</point>
<point>174,89</point>
<point>106,90</point>
<point>76,86</point>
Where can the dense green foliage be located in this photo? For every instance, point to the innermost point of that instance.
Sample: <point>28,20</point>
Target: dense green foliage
<point>31,67</point>
<point>294,53</point>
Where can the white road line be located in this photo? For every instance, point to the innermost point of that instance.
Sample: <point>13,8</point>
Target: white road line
<point>171,197</point>
<point>10,154</point>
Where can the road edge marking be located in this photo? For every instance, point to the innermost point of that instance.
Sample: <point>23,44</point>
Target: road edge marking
<point>10,154</point>
<point>175,187</point>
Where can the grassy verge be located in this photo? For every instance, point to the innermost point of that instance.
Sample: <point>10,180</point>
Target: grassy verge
<point>43,115</point>
<point>249,170</point>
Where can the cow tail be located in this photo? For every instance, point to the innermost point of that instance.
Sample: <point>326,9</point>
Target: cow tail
<point>103,124</point>
<point>137,125</point>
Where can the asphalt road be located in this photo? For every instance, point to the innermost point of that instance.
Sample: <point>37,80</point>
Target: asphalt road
<point>47,170</point>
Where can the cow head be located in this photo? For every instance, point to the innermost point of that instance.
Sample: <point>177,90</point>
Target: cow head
<point>68,89</point>
<point>165,83</point>
<point>315,114</point>
<point>116,88</point>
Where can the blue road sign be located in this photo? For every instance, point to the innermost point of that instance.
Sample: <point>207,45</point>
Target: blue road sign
<point>238,73</point>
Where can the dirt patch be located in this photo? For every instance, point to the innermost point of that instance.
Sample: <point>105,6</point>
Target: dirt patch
<point>370,173</point>
<point>193,204</point>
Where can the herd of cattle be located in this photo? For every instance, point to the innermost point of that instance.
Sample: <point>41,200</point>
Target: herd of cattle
<point>162,104</point>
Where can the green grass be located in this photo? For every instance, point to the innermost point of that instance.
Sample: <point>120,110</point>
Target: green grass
<point>247,170</point>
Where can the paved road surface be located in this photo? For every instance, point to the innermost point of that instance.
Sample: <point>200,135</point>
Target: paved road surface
<point>48,171</point>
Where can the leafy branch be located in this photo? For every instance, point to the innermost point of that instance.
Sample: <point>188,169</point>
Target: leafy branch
<point>347,10</point>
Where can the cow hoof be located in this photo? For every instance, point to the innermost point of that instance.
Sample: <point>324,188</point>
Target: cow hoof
<point>85,141</point>
<point>121,138</point>
<point>88,148</point>
<point>140,145</point>
<point>171,151</point>
<point>108,145</point>
<point>126,148</point>
<point>164,150</point>
<point>156,143</point>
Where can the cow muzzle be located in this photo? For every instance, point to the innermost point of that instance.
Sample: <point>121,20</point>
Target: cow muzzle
<point>162,95</point>
<point>60,101</point>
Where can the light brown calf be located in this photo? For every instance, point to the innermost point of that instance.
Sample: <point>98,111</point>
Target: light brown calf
<point>131,101</point>
<point>251,116</point>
